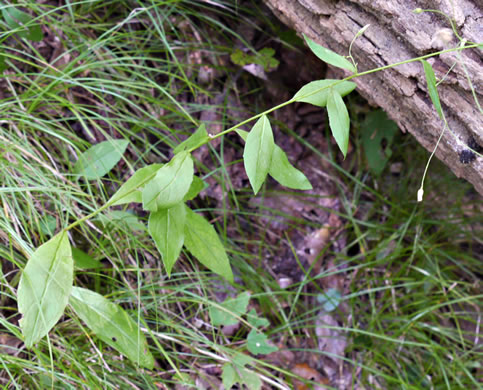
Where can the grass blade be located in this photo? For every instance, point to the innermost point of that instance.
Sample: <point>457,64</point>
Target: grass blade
<point>257,155</point>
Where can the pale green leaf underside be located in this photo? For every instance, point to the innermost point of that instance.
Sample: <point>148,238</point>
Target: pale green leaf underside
<point>329,56</point>
<point>258,151</point>
<point>432,89</point>
<point>170,184</point>
<point>243,134</point>
<point>166,227</point>
<point>317,92</point>
<point>99,159</point>
<point>338,120</point>
<point>202,240</point>
<point>44,288</point>
<point>112,325</point>
<point>198,138</point>
<point>285,173</point>
<point>130,191</point>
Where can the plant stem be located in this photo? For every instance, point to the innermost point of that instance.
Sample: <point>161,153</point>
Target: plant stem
<point>337,82</point>
<point>286,103</point>
<point>93,214</point>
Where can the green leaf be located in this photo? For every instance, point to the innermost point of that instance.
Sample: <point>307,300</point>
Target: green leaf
<point>338,120</point>
<point>197,185</point>
<point>329,56</point>
<point>233,374</point>
<point>112,325</point>
<point>17,19</point>
<point>44,288</point>
<point>257,343</point>
<point>281,169</point>
<point>229,376</point>
<point>195,140</point>
<point>170,184</point>
<point>240,359</point>
<point>251,380</point>
<point>242,133</point>
<point>99,159</point>
<point>230,309</point>
<point>83,261</point>
<point>166,227</point>
<point>330,299</point>
<point>257,155</point>
<point>286,174</point>
<point>203,242</point>
<point>432,89</point>
<point>265,58</point>
<point>317,92</point>
<point>241,58</point>
<point>376,128</point>
<point>130,191</point>
<point>254,320</point>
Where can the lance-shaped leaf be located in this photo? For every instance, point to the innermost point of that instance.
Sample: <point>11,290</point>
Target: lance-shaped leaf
<point>329,56</point>
<point>166,227</point>
<point>99,159</point>
<point>112,325</point>
<point>317,92</point>
<point>338,120</point>
<point>281,169</point>
<point>257,155</point>
<point>203,242</point>
<point>130,191</point>
<point>432,89</point>
<point>285,173</point>
<point>44,287</point>
<point>170,184</point>
<point>17,19</point>
<point>198,138</point>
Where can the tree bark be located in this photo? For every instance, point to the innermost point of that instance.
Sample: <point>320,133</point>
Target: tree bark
<point>396,34</point>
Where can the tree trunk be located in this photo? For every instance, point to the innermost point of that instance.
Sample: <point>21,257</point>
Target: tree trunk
<point>397,34</point>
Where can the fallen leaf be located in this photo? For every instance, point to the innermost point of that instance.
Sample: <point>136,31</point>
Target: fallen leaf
<point>304,371</point>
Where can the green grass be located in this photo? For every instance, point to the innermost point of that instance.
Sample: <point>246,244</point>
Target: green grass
<point>412,270</point>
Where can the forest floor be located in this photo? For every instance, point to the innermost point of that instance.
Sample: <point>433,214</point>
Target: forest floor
<point>360,286</point>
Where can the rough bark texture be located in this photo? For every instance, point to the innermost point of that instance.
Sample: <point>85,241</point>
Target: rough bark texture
<point>397,34</point>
